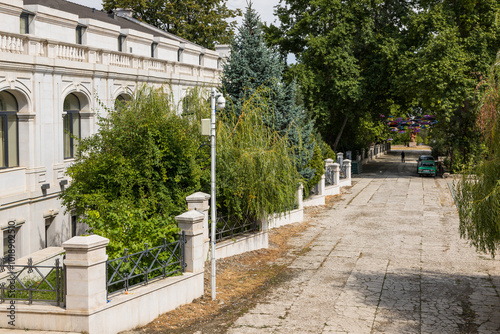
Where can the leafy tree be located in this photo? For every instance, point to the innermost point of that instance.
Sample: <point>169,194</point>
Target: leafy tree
<point>478,192</point>
<point>204,22</point>
<point>131,178</point>
<point>359,58</point>
<point>447,50</point>
<point>256,175</point>
<point>253,68</point>
<point>344,50</point>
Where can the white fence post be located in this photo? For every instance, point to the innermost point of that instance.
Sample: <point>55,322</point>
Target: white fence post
<point>321,185</point>
<point>191,223</point>
<point>300,197</point>
<point>85,272</point>
<point>347,164</point>
<point>199,202</point>
<point>336,173</point>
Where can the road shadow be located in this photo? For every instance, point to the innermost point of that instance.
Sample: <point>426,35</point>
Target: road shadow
<point>433,302</point>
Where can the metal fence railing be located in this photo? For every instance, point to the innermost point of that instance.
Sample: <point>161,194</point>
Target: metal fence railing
<point>33,283</point>
<point>329,176</point>
<point>146,266</point>
<point>343,171</point>
<point>230,226</point>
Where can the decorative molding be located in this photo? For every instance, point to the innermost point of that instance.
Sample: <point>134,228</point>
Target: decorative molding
<point>26,117</point>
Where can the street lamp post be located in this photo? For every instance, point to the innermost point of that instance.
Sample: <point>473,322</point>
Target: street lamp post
<point>220,104</point>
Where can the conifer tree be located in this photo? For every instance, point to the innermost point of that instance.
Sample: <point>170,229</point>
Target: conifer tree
<point>253,66</point>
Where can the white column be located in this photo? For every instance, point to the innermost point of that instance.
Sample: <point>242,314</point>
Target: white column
<point>191,223</point>
<point>199,202</point>
<point>321,185</point>
<point>85,272</point>
<point>336,173</point>
<point>347,163</point>
<point>300,196</point>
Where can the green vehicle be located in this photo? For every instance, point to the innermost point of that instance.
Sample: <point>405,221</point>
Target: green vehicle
<point>427,167</point>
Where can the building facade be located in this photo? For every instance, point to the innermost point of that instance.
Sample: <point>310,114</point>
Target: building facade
<point>61,65</point>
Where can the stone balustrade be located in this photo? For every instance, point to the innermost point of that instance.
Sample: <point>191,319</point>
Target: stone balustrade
<point>35,46</point>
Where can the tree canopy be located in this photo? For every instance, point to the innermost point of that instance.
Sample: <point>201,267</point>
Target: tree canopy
<point>204,22</point>
<point>253,68</point>
<point>477,193</point>
<point>358,59</point>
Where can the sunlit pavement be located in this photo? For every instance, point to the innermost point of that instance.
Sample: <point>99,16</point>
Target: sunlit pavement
<point>388,258</point>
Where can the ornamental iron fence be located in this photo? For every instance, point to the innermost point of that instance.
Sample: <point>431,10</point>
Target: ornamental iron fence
<point>329,176</point>
<point>146,266</point>
<point>343,171</point>
<point>314,190</point>
<point>228,227</point>
<point>33,283</point>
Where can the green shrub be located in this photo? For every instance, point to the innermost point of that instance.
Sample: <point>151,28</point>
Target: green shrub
<point>132,177</point>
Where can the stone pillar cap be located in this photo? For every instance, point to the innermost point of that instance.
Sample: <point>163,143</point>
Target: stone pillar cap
<point>88,242</point>
<point>190,216</point>
<point>198,196</point>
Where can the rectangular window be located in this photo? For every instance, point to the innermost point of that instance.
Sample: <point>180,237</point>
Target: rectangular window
<point>154,45</point>
<point>179,55</point>
<point>71,125</point>
<point>47,234</point>
<point>24,27</point>
<point>79,35</point>
<point>9,153</point>
<point>12,140</point>
<point>2,142</point>
<point>67,136</point>
<point>200,60</point>
<point>121,42</point>
<point>73,226</point>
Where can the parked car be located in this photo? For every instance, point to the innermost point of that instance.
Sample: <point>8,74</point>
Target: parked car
<point>425,157</point>
<point>426,167</point>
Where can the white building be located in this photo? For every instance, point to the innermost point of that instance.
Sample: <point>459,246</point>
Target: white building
<point>57,60</point>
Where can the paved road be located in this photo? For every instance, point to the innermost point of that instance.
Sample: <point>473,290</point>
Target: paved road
<point>386,259</point>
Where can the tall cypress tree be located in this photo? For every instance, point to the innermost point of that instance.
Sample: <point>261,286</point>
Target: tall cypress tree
<point>252,66</point>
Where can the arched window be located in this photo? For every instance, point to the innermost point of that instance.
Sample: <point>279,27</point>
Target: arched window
<point>121,101</point>
<point>9,145</point>
<point>71,125</point>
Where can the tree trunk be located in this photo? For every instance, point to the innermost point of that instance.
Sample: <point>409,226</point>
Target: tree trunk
<point>339,134</point>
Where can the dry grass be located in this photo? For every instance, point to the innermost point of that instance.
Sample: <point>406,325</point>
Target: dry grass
<point>242,280</point>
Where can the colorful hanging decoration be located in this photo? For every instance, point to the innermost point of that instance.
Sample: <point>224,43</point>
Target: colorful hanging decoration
<point>412,124</point>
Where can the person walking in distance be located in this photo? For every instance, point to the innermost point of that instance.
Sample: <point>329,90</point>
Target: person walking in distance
<point>402,156</point>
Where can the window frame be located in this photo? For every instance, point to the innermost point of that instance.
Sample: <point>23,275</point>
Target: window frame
<point>26,17</point>
<point>79,31</point>
<point>5,116</point>
<point>121,42</point>
<point>74,222</point>
<point>70,114</point>
<point>154,47</point>
<point>180,52</point>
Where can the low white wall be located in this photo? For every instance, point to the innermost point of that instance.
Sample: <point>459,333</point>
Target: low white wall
<point>345,183</point>
<point>332,190</point>
<point>243,243</point>
<point>294,216</point>
<point>125,311</point>
<point>315,201</point>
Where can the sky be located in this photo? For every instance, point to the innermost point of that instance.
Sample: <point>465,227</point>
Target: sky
<point>263,7</point>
